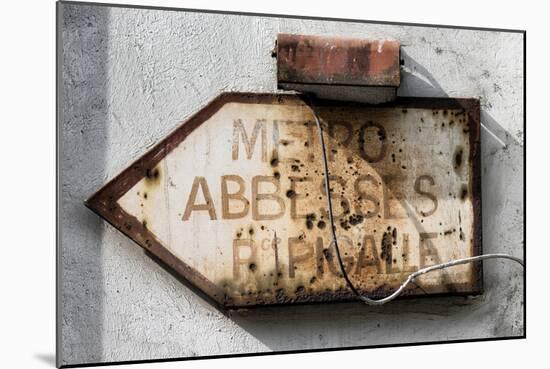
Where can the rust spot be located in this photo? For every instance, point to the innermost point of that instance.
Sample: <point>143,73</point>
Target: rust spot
<point>309,220</point>
<point>458,158</point>
<point>310,216</point>
<point>386,246</point>
<point>277,175</point>
<point>463,192</point>
<point>280,295</point>
<point>252,267</point>
<point>345,206</point>
<point>274,162</point>
<point>327,254</point>
<point>344,224</point>
<point>355,219</point>
<point>152,176</point>
<point>290,194</point>
<point>321,224</point>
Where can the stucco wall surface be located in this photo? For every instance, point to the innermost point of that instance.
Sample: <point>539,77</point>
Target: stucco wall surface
<point>128,76</point>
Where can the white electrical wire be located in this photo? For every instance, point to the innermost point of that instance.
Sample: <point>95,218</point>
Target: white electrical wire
<point>411,277</point>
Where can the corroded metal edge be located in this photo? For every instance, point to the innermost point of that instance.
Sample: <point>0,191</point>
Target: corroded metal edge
<point>104,201</point>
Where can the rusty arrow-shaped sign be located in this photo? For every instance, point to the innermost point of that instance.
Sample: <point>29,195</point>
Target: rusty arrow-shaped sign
<point>233,200</point>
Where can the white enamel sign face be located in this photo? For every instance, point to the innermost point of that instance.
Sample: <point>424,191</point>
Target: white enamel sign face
<point>234,199</point>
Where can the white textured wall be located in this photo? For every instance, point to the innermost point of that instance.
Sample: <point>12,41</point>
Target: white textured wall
<point>129,76</point>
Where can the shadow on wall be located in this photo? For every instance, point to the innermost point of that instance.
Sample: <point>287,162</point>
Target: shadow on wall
<point>314,323</point>
<point>418,81</point>
<point>82,148</point>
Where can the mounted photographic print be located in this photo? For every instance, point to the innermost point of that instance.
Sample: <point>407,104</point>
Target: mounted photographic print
<point>237,184</point>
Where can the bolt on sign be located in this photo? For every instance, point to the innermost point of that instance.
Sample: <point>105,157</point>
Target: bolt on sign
<point>233,200</point>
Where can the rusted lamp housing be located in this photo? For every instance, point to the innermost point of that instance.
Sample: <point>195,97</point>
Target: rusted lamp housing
<point>339,68</point>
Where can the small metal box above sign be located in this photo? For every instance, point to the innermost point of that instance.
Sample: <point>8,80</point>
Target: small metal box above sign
<point>339,68</point>
<point>233,200</point>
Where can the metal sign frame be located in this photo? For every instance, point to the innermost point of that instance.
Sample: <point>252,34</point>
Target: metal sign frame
<point>104,202</point>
